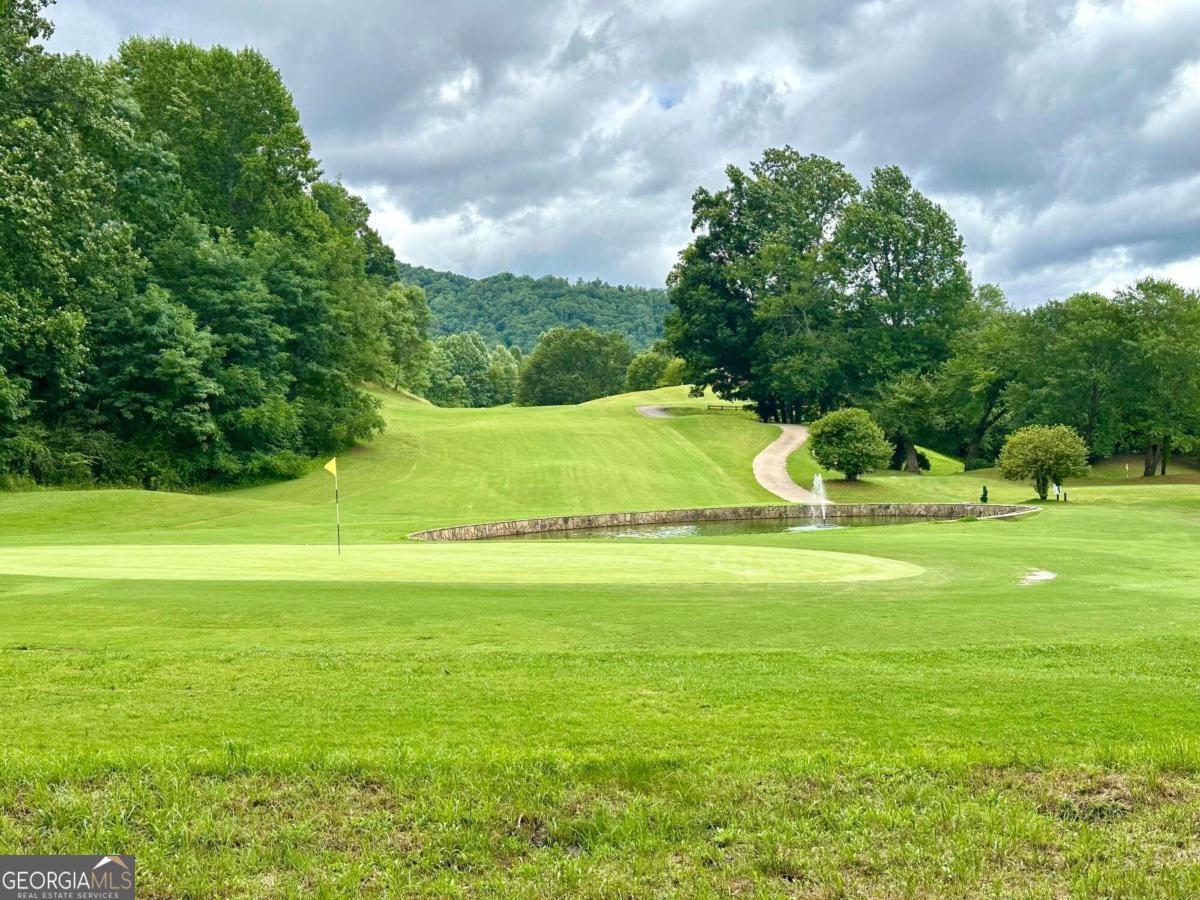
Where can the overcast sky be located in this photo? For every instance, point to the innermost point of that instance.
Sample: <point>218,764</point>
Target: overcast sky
<point>567,137</point>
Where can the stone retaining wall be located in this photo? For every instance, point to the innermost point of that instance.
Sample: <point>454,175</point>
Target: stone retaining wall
<point>719,514</point>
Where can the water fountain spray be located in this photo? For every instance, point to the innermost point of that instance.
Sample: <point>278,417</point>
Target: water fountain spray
<point>818,490</point>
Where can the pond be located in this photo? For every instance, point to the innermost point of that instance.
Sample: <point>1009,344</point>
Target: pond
<point>725,528</point>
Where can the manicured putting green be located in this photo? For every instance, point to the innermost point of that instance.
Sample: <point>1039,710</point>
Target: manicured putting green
<point>492,562</point>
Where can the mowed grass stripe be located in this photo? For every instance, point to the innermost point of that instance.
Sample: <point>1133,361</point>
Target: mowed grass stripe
<point>494,562</point>
<point>436,467</point>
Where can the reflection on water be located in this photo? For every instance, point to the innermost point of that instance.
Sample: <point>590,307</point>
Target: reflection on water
<point>718,529</point>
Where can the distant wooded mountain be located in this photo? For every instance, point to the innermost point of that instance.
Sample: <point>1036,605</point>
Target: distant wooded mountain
<point>516,309</point>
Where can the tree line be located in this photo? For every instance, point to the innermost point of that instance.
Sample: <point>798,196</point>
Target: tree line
<point>182,298</point>
<point>567,365</point>
<point>804,292</point>
<point>185,300</point>
<point>516,310</point>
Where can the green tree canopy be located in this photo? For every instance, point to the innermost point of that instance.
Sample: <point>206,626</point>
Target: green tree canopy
<point>503,372</point>
<point>674,373</point>
<point>231,123</point>
<point>573,365</point>
<point>646,370</point>
<point>971,406</point>
<point>461,372</point>
<point>1162,388</point>
<point>909,294</point>
<point>1047,454</point>
<point>181,300</point>
<point>515,309</point>
<point>754,308</point>
<point>406,322</point>
<point>1073,368</point>
<point>802,293</point>
<point>908,297</point>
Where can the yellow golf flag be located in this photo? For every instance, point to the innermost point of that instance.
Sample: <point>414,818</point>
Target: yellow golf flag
<point>331,468</point>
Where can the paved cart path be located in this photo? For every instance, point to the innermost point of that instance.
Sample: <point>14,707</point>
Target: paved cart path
<point>770,466</point>
<point>654,412</point>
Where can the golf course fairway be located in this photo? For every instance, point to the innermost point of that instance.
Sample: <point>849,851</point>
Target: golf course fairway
<point>198,679</point>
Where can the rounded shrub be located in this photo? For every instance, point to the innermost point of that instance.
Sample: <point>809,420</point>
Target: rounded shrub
<point>849,441</point>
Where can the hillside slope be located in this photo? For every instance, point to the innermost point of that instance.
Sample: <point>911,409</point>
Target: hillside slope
<point>516,309</point>
<point>437,467</point>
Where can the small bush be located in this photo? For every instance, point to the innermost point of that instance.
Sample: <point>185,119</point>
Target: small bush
<point>284,464</point>
<point>17,483</point>
<point>850,442</point>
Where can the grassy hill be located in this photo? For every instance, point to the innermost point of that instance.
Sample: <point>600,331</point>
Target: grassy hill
<point>517,309</point>
<point>435,467</point>
<point>199,680</point>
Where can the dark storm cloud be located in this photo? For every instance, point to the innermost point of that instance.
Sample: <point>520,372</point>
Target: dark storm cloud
<point>568,137</point>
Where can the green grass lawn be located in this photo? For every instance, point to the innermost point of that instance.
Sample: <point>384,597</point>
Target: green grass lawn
<point>439,467</point>
<point>199,680</point>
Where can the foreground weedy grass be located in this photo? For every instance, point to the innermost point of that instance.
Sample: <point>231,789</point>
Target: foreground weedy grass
<point>951,733</point>
<point>233,822</point>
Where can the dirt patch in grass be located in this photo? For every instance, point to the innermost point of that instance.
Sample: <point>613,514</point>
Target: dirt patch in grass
<point>1096,798</point>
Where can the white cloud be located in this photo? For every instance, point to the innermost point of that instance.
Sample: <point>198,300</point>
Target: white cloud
<point>567,137</point>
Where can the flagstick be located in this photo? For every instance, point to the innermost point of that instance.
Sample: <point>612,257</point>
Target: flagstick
<point>337,514</point>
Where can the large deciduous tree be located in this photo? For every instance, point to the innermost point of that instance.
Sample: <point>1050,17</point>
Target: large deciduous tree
<point>228,118</point>
<point>1162,386</point>
<point>1073,368</point>
<point>646,370</point>
<point>74,292</point>
<point>802,293</point>
<point>504,370</point>
<point>407,325</point>
<point>970,405</point>
<point>753,294</point>
<point>1123,371</point>
<point>1045,454</point>
<point>180,299</point>
<point>461,373</point>
<point>908,293</point>
<point>573,365</point>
